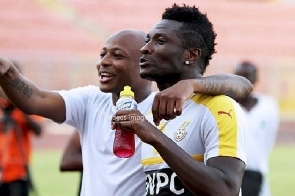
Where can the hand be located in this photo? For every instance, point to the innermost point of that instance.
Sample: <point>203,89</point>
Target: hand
<point>168,103</point>
<point>33,124</point>
<point>133,120</point>
<point>5,65</point>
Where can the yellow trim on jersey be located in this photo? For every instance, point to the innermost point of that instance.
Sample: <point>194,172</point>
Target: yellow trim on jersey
<point>223,109</point>
<point>159,160</point>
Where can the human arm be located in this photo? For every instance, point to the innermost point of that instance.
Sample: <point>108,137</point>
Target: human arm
<point>234,86</point>
<point>221,175</point>
<point>27,96</point>
<point>168,103</point>
<point>72,156</point>
<point>34,125</point>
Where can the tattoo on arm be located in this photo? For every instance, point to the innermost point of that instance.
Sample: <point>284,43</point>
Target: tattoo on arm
<point>223,85</point>
<point>22,87</point>
<point>216,87</point>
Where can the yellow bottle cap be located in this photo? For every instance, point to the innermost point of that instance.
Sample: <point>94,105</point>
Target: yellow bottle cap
<point>127,92</point>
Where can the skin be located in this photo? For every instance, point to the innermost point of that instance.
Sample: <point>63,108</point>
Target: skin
<point>169,71</point>
<point>168,103</point>
<point>71,159</point>
<point>164,102</point>
<point>31,99</point>
<point>35,127</point>
<point>220,175</point>
<point>248,71</point>
<point>119,58</point>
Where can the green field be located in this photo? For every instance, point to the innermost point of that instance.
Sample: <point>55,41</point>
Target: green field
<point>282,171</point>
<point>50,182</point>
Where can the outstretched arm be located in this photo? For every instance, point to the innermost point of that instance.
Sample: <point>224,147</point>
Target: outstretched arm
<point>72,156</point>
<point>29,98</point>
<point>168,103</point>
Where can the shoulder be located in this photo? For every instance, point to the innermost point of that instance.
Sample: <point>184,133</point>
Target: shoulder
<point>220,106</point>
<point>214,101</point>
<point>89,90</point>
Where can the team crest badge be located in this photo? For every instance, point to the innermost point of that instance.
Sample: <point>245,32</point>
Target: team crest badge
<point>181,131</point>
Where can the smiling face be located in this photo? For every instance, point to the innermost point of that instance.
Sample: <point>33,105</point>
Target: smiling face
<point>119,62</point>
<point>163,53</point>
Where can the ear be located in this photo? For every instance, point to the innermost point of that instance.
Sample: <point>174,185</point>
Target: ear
<point>193,54</point>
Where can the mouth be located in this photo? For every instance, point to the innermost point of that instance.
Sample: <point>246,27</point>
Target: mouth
<point>144,62</point>
<point>105,76</point>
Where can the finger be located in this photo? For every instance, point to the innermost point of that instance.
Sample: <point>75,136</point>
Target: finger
<point>178,107</point>
<point>163,107</point>
<point>155,111</point>
<point>170,111</point>
<point>113,125</point>
<point>114,122</point>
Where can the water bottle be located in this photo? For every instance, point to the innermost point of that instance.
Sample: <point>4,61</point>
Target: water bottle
<point>124,142</point>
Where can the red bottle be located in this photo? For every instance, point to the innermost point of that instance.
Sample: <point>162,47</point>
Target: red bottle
<point>124,142</point>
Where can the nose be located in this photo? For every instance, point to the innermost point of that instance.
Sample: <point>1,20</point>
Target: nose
<point>104,61</point>
<point>146,49</point>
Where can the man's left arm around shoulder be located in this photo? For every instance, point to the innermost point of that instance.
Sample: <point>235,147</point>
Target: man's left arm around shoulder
<point>168,103</point>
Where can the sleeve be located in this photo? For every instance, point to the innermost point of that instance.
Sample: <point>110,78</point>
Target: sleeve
<point>224,129</point>
<point>76,101</point>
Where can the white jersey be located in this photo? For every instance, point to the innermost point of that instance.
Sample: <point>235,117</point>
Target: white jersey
<point>89,110</point>
<point>208,127</point>
<point>263,122</point>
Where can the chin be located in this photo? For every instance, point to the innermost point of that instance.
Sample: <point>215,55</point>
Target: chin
<point>148,76</point>
<point>105,88</point>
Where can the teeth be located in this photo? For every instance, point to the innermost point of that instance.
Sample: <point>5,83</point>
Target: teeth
<point>106,75</point>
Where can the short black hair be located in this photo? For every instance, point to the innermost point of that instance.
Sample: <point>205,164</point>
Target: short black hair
<point>196,32</point>
<point>253,68</point>
<point>250,64</point>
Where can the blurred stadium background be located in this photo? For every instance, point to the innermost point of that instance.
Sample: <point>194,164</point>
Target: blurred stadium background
<point>57,43</point>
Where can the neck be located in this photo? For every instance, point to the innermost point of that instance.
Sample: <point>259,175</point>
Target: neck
<point>169,81</point>
<point>249,102</point>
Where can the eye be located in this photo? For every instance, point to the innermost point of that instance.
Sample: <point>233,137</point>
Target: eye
<point>102,54</point>
<point>160,41</point>
<point>118,55</point>
<point>147,40</point>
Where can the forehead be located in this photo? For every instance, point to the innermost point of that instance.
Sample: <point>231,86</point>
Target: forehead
<point>125,42</point>
<point>165,26</point>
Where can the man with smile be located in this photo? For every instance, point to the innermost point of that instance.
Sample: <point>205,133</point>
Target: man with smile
<point>89,109</point>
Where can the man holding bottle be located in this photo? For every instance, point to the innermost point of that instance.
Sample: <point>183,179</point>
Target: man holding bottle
<point>201,151</point>
<point>85,108</point>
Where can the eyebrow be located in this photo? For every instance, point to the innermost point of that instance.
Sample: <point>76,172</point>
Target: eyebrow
<point>113,49</point>
<point>156,35</point>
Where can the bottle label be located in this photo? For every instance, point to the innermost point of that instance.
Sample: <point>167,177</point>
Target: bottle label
<point>126,105</point>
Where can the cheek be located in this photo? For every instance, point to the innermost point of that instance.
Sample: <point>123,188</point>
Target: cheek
<point>169,56</point>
